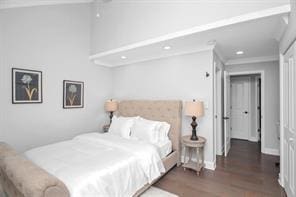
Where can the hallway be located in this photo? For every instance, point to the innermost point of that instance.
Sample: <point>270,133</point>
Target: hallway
<point>245,172</point>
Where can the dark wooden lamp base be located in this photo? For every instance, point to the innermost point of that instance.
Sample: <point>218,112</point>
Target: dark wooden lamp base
<point>194,125</point>
<point>111,116</point>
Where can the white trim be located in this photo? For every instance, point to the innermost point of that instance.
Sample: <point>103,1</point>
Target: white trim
<point>250,108</point>
<point>252,60</point>
<point>282,100</point>
<point>256,108</point>
<point>234,20</point>
<point>210,165</point>
<point>261,72</point>
<point>271,151</point>
<point>217,105</point>
<point>101,63</point>
<point>253,139</point>
<point>6,4</point>
<point>280,182</point>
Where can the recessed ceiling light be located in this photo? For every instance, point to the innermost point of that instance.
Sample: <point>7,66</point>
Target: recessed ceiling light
<point>123,57</point>
<point>98,15</point>
<point>166,47</point>
<point>239,52</point>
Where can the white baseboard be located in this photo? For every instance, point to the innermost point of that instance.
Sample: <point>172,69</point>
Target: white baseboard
<point>271,151</point>
<point>210,165</point>
<point>220,152</point>
<point>280,182</point>
<point>253,139</point>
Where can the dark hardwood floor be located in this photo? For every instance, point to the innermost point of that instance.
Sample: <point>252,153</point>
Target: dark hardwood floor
<point>245,172</point>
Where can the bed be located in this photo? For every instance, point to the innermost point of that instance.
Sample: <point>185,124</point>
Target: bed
<point>127,168</point>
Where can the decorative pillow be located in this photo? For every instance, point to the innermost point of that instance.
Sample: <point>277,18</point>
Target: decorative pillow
<point>122,126</point>
<point>146,130</point>
<point>164,131</point>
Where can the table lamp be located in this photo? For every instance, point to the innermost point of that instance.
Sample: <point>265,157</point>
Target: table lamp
<point>111,106</point>
<point>194,109</point>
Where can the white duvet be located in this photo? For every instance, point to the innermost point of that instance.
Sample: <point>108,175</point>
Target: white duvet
<point>100,165</point>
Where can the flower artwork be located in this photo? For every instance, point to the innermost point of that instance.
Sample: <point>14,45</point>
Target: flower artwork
<point>73,91</point>
<point>26,79</point>
<point>26,86</point>
<point>73,94</point>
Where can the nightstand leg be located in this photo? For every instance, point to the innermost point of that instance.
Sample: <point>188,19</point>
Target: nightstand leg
<point>202,157</point>
<point>184,154</point>
<point>197,159</point>
<point>190,153</point>
<point>185,150</point>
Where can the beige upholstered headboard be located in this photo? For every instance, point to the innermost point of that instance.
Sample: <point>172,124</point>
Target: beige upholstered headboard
<point>164,110</point>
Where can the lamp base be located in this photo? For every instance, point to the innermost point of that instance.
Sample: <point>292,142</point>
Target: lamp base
<point>194,138</point>
<point>194,125</point>
<point>111,116</point>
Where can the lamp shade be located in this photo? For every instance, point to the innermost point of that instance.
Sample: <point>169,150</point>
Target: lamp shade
<point>111,105</point>
<point>194,108</point>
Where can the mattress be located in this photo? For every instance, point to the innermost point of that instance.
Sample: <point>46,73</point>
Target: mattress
<point>164,148</point>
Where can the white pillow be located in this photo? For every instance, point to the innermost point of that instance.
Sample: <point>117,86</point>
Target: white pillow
<point>164,131</point>
<point>160,132</point>
<point>121,126</point>
<point>145,130</point>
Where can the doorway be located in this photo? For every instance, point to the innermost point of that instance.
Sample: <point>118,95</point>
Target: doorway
<point>243,99</point>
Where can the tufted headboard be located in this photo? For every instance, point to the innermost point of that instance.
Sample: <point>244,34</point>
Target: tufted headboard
<point>164,110</point>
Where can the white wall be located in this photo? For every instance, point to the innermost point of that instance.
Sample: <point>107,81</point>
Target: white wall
<point>127,22</point>
<point>271,114</point>
<point>180,77</point>
<point>56,41</point>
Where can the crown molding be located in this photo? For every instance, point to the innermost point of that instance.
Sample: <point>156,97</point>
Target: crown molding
<point>252,60</point>
<point>6,4</point>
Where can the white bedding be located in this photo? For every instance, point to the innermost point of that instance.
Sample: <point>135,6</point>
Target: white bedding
<point>100,165</point>
<point>164,148</point>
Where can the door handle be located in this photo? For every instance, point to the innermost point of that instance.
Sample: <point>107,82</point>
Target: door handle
<point>245,112</point>
<point>225,118</point>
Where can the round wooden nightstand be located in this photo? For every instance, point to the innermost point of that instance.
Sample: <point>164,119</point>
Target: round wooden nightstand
<point>189,147</point>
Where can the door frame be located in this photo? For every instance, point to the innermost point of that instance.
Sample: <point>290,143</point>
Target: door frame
<point>256,139</point>
<point>218,127</point>
<point>261,73</point>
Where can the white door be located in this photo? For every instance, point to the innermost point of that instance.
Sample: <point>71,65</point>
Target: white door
<point>289,121</point>
<point>227,142</point>
<point>240,107</point>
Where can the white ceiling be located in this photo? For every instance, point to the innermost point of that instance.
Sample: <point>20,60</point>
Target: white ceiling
<point>258,38</point>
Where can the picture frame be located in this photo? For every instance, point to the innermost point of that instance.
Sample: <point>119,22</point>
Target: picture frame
<point>73,94</point>
<point>26,86</point>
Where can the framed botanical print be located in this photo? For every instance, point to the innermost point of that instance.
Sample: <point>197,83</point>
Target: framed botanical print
<point>73,96</point>
<point>26,86</point>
